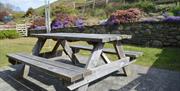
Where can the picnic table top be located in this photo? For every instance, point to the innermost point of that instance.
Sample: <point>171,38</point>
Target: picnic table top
<point>83,36</point>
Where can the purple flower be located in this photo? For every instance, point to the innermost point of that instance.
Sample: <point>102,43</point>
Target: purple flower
<point>112,21</point>
<point>57,24</point>
<point>172,19</point>
<point>79,23</point>
<point>65,23</point>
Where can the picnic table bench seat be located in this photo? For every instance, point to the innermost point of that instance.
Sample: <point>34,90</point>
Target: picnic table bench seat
<point>132,54</point>
<point>67,72</point>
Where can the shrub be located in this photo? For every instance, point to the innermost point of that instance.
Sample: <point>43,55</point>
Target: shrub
<point>38,22</point>
<point>11,34</point>
<point>176,11</point>
<point>99,13</point>
<point>63,9</point>
<point>2,36</point>
<point>124,16</point>
<point>63,20</point>
<point>146,6</point>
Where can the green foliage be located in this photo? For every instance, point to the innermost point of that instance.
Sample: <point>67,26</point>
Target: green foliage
<point>30,12</point>
<point>63,9</point>
<point>109,9</point>
<point>99,13</point>
<point>176,10</point>
<point>2,36</point>
<point>146,6</point>
<point>11,34</point>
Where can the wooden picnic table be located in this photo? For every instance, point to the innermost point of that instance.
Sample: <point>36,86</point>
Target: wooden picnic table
<point>77,78</point>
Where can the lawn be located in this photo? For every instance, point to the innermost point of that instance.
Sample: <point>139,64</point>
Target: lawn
<point>166,58</point>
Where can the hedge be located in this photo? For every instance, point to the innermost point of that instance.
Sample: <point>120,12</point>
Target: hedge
<point>10,34</point>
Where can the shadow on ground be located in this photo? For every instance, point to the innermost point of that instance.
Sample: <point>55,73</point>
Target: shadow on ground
<point>157,79</point>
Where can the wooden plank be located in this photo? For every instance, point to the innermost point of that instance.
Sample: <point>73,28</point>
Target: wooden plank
<point>119,50</point>
<point>26,70</point>
<point>101,71</point>
<point>56,47</point>
<point>57,64</point>
<point>120,53</point>
<point>105,58</point>
<point>94,57</point>
<point>69,52</point>
<point>82,88</point>
<point>38,46</point>
<point>133,54</point>
<point>83,37</point>
<point>92,62</point>
<point>65,73</point>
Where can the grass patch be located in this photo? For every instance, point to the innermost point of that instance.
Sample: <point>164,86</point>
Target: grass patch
<point>166,58</point>
<point>10,34</point>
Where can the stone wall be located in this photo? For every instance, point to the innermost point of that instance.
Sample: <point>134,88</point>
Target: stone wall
<point>156,34</point>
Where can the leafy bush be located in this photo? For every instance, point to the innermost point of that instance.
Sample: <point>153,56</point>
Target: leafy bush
<point>63,9</point>
<point>146,6</point>
<point>124,16</point>
<point>11,34</point>
<point>38,22</point>
<point>2,36</point>
<point>176,11</point>
<point>99,13</point>
<point>65,20</point>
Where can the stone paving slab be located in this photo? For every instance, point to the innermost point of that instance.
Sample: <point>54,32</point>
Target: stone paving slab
<point>141,79</point>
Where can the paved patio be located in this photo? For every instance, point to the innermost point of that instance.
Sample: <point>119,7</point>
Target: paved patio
<point>141,79</point>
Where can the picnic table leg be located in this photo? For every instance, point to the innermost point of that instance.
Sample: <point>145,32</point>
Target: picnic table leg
<point>95,55</point>
<point>54,50</point>
<point>105,58</point>
<point>56,47</point>
<point>38,46</point>
<point>121,54</point>
<point>36,50</point>
<point>24,71</point>
<point>68,50</point>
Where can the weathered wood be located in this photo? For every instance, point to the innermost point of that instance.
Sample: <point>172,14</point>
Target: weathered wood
<point>83,37</point>
<point>94,57</point>
<point>69,52</point>
<point>68,72</point>
<point>78,76</point>
<point>55,63</point>
<point>13,62</point>
<point>82,88</point>
<point>105,58</point>
<point>133,54</point>
<point>51,54</point>
<point>38,46</point>
<point>119,49</point>
<point>120,53</point>
<point>58,64</point>
<point>26,71</point>
<point>56,47</point>
<point>101,71</point>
